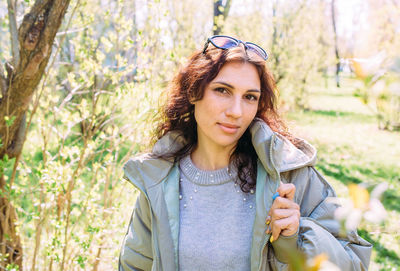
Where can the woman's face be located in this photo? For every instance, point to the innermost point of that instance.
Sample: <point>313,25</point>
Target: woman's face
<point>228,106</point>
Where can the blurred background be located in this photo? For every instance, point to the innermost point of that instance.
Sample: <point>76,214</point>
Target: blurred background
<point>337,67</point>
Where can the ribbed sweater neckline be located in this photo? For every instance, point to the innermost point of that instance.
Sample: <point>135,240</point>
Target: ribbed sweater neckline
<point>206,177</point>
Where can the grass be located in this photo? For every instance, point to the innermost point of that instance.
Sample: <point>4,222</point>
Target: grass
<point>351,149</point>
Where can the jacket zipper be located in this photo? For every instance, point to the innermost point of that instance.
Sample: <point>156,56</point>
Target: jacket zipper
<point>278,177</point>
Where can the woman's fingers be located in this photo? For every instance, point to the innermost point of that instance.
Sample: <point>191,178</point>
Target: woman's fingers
<point>281,214</point>
<point>283,203</point>
<point>285,226</point>
<point>284,215</point>
<point>287,190</point>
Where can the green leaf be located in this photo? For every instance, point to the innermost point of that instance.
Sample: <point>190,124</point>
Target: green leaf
<point>81,261</point>
<point>9,121</point>
<point>12,267</point>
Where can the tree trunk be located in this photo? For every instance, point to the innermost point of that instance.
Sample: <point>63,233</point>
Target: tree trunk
<point>336,43</point>
<point>221,11</point>
<point>35,39</point>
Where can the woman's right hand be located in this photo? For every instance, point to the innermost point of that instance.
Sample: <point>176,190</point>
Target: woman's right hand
<point>284,215</point>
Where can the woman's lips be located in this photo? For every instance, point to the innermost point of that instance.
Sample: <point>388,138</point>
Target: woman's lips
<point>228,128</point>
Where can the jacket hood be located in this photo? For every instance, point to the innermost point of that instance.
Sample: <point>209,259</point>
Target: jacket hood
<point>275,152</point>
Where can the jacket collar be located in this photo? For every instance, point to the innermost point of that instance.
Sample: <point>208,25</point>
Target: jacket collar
<point>275,152</point>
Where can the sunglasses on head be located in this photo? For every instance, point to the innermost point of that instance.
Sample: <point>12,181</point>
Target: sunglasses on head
<point>226,42</point>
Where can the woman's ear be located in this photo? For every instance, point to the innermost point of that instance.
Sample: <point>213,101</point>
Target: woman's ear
<point>192,100</point>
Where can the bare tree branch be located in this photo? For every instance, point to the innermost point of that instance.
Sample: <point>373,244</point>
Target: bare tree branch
<point>3,81</point>
<point>72,31</point>
<point>12,10</point>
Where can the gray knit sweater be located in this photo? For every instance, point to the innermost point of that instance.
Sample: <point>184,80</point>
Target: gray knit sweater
<point>216,220</point>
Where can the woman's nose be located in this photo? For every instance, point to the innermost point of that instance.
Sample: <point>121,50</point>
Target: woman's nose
<point>235,109</point>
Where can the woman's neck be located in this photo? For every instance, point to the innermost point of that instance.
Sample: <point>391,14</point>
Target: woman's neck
<point>210,158</point>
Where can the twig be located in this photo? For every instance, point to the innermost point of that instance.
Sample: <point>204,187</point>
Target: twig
<point>71,31</point>
<point>12,10</point>
<point>3,81</point>
<point>42,216</point>
<point>10,78</point>
<point>70,188</point>
<point>69,97</point>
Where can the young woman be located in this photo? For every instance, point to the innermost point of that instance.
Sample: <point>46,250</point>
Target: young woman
<point>226,187</point>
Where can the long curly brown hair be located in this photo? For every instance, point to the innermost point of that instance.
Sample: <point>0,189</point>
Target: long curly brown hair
<point>189,85</point>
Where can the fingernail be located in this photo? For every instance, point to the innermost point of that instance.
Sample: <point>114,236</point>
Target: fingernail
<point>268,220</point>
<point>271,239</point>
<point>274,196</point>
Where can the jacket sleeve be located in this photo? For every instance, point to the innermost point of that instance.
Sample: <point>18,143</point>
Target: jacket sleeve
<point>136,252</point>
<point>318,230</point>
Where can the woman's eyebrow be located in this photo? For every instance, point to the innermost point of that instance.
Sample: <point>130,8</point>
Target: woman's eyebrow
<point>230,86</point>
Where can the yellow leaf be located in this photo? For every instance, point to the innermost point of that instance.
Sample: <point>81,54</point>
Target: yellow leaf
<point>358,195</point>
<point>358,69</point>
<point>317,262</point>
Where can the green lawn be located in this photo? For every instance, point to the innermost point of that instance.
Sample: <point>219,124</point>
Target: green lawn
<point>351,149</point>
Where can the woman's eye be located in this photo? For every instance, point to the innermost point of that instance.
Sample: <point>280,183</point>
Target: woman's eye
<point>251,97</point>
<point>221,90</point>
